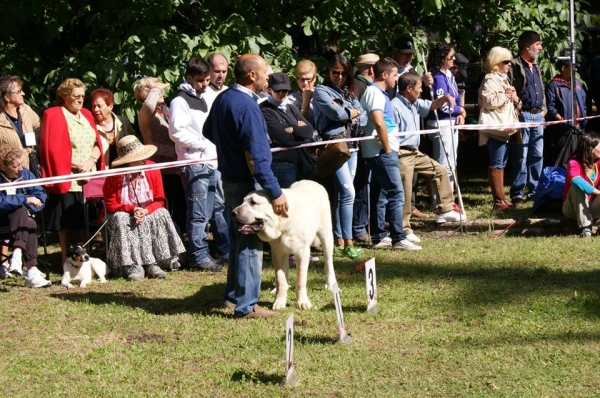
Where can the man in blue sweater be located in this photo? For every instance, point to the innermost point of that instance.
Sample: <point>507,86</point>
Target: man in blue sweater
<point>238,129</point>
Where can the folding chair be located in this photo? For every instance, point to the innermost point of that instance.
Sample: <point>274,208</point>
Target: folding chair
<point>93,195</point>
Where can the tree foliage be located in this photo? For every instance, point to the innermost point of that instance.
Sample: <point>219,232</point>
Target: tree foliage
<point>111,43</point>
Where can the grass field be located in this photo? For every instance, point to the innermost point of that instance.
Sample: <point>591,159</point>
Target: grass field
<point>468,316</point>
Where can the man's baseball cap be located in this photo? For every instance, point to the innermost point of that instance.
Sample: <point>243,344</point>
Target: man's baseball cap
<point>279,81</point>
<point>367,59</point>
<point>404,45</point>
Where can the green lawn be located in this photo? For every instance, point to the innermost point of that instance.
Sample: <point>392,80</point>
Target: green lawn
<point>466,316</point>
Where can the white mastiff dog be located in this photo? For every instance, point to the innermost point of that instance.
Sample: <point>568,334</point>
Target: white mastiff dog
<point>308,223</point>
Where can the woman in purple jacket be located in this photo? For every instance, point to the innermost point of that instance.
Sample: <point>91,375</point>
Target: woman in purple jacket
<point>441,60</point>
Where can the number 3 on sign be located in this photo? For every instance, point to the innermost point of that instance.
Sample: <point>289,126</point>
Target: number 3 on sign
<point>371,280</point>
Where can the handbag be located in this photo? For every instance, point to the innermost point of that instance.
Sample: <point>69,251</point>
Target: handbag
<point>331,157</point>
<point>307,164</point>
<point>34,164</point>
<point>506,114</point>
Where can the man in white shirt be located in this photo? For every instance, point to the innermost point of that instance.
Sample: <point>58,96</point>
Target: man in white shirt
<point>189,111</point>
<point>381,156</point>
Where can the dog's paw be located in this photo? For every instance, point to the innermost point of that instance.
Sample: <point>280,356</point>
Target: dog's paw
<point>274,291</point>
<point>83,285</point>
<point>279,305</point>
<point>68,285</point>
<point>102,281</point>
<point>304,304</point>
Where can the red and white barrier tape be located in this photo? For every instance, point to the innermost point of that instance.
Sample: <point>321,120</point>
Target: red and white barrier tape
<point>180,163</point>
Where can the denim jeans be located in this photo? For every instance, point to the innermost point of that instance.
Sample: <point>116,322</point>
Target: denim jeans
<point>450,142</point>
<point>343,201</point>
<point>385,168</point>
<point>527,158</point>
<point>285,172</point>
<point>200,185</point>
<point>244,272</point>
<point>219,223</point>
<point>498,151</point>
<point>360,209</point>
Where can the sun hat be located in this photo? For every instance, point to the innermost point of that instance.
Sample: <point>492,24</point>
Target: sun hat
<point>130,149</point>
<point>279,81</point>
<point>367,59</point>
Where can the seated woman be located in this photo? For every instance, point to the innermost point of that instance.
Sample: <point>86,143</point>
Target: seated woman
<point>286,127</point>
<point>143,237</point>
<point>16,204</point>
<point>581,198</point>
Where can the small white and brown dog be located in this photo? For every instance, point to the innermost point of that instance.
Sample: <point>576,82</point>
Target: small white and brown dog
<point>79,266</point>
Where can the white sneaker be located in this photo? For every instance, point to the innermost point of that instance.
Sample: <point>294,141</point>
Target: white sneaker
<point>16,262</point>
<point>383,243</point>
<point>405,244</point>
<point>36,279</point>
<point>450,216</point>
<point>4,274</point>
<point>413,238</point>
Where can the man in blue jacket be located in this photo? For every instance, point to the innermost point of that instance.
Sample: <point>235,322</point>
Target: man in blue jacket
<point>238,129</point>
<point>558,100</point>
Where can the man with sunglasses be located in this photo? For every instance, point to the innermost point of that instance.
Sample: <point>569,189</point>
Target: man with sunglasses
<point>527,156</point>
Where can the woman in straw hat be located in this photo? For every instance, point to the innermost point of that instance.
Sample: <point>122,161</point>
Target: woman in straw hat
<point>143,237</point>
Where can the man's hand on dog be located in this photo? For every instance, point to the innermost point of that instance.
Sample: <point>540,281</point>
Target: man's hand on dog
<point>280,206</point>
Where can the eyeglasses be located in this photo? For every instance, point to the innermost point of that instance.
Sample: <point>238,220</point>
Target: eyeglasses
<point>450,57</point>
<point>306,80</point>
<point>281,92</point>
<point>78,97</point>
<point>507,62</point>
<point>339,73</point>
<point>16,92</point>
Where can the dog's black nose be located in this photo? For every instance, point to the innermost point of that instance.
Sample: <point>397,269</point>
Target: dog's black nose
<point>86,257</point>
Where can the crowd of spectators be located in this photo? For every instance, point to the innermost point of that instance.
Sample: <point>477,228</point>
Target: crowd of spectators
<point>160,219</point>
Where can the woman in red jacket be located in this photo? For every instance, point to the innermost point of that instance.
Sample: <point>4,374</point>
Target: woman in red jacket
<point>69,143</point>
<point>143,236</point>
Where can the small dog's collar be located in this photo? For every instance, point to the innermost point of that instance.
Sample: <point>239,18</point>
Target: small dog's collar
<point>73,264</point>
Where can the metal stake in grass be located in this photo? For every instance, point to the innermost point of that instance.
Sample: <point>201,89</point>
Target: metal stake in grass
<point>291,379</point>
<point>372,305</point>
<point>344,337</point>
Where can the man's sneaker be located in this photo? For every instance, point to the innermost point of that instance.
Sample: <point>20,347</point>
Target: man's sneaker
<point>135,273</point>
<point>405,244</point>
<point>383,243</point>
<point>363,239</point>
<point>517,201</point>
<point>586,232</point>
<point>154,271</point>
<point>36,279</point>
<point>208,265</point>
<point>222,259</point>
<point>4,274</point>
<point>450,216</point>
<point>16,263</point>
<point>413,238</point>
